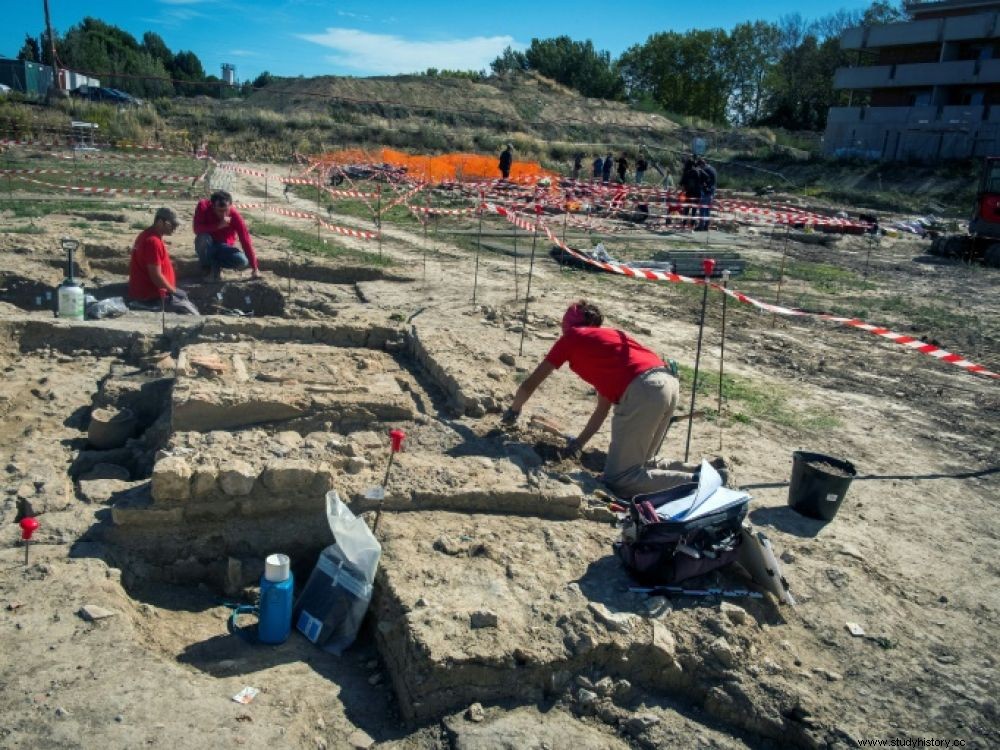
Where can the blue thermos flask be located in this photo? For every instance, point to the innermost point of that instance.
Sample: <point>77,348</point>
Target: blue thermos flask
<point>276,585</point>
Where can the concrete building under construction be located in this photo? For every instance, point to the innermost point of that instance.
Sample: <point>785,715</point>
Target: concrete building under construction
<point>923,89</point>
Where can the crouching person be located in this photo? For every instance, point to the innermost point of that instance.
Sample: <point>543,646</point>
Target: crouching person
<point>217,226</point>
<point>151,274</point>
<point>629,379</point>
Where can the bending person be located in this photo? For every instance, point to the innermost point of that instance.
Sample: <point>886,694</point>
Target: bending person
<point>628,377</point>
<point>151,274</point>
<point>217,225</point>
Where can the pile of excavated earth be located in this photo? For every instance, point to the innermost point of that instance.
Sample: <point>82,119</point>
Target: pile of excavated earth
<point>500,617</point>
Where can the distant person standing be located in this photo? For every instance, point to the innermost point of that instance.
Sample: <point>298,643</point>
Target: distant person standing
<point>506,160</point>
<point>151,274</point>
<point>709,177</point>
<point>641,165</point>
<point>598,167</point>
<point>622,168</point>
<point>691,187</point>
<point>217,226</point>
<point>609,163</point>
<point>577,164</point>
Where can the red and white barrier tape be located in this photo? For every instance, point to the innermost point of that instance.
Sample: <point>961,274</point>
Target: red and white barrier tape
<point>106,190</point>
<point>227,167</point>
<point>346,231</point>
<point>126,175</point>
<point>652,275</point>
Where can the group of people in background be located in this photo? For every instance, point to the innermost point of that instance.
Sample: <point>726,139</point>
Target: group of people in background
<point>604,167</point>
<point>698,181</point>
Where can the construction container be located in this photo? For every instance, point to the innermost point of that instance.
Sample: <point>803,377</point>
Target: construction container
<point>31,78</point>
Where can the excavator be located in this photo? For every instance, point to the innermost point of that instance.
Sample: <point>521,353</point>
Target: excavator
<point>983,240</point>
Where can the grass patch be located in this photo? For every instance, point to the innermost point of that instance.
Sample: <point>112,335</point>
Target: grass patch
<point>30,229</point>
<point>307,242</point>
<point>749,402</point>
<point>822,276</point>
<point>926,317</point>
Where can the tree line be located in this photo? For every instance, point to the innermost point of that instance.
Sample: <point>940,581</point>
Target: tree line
<point>146,68</point>
<point>758,73</point>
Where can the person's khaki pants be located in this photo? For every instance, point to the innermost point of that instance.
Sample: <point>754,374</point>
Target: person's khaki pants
<point>638,425</point>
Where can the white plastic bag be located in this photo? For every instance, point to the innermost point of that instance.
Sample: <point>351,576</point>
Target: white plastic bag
<point>331,607</point>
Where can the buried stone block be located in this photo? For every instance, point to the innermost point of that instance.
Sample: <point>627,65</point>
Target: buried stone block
<point>171,480</point>
<point>288,476</point>
<point>237,478</point>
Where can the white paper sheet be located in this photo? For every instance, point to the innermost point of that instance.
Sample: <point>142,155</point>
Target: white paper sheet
<point>710,497</point>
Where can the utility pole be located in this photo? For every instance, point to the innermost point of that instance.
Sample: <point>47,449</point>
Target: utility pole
<point>52,47</point>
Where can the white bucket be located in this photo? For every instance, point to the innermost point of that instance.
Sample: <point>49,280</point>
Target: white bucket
<point>276,568</point>
<point>71,302</point>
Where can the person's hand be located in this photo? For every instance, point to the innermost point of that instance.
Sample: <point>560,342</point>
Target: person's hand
<point>509,417</point>
<point>573,448</point>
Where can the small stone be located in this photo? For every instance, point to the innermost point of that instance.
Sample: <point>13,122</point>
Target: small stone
<point>320,743</point>
<point>723,652</point>
<point>371,664</point>
<point>360,740</point>
<point>356,465</point>
<point>320,724</point>
<point>421,603</point>
<point>943,599</point>
<point>92,613</point>
<point>583,682</point>
<point>736,614</point>
<point>640,723</point>
<point>375,679</point>
<point>586,698</point>
<point>830,676</point>
<point>119,718</point>
<point>605,686</point>
<point>483,618</point>
<point>61,712</point>
<point>787,557</point>
<point>508,359</point>
<point>475,713</point>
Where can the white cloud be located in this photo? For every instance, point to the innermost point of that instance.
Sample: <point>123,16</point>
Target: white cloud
<point>388,55</point>
<point>242,53</point>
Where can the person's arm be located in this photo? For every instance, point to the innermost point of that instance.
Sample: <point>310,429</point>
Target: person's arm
<point>241,231</point>
<point>205,221</point>
<point>528,387</point>
<point>156,276</point>
<point>596,420</point>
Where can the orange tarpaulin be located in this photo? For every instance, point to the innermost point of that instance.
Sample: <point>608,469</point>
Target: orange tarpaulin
<point>438,168</point>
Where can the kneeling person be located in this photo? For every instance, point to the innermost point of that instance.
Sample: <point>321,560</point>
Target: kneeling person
<point>151,273</point>
<point>217,226</point>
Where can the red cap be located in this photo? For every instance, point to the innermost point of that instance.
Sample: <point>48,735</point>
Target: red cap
<point>397,437</point>
<point>708,265</point>
<point>28,527</point>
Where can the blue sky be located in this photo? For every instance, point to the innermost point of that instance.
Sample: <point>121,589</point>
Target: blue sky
<point>313,37</point>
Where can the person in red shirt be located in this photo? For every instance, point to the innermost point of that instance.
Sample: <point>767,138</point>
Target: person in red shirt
<point>151,273</point>
<point>217,225</point>
<point>626,376</point>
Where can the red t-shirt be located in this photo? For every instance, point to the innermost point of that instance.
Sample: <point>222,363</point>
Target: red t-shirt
<point>207,222</point>
<point>605,358</point>
<point>148,250</point>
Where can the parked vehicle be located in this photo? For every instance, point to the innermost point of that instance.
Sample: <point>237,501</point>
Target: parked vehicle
<point>983,240</point>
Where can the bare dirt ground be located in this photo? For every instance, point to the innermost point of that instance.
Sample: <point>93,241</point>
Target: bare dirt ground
<point>574,660</point>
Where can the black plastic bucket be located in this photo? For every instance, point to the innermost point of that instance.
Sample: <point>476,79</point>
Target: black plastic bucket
<point>817,490</point>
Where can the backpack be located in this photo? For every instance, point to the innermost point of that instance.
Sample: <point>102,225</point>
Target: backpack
<point>658,551</point>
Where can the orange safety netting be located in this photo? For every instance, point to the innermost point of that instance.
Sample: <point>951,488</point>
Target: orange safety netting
<point>439,168</point>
